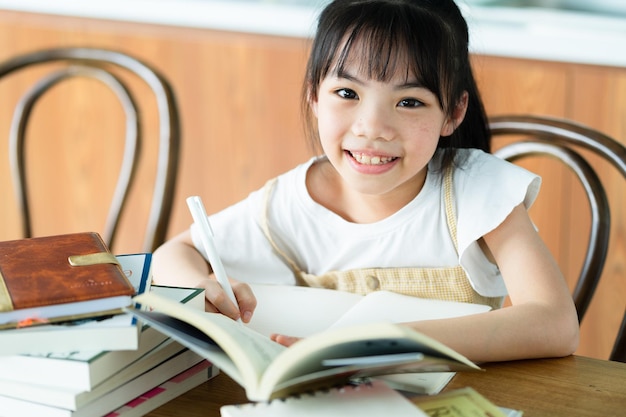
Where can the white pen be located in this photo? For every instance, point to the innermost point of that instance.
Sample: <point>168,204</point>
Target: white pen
<point>198,212</point>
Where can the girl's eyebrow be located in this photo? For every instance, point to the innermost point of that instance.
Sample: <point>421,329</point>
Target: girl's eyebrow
<point>404,86</point>
<point>349,77</point>
<point>409,84</point>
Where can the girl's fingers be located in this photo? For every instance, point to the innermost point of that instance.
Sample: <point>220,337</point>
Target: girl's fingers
<point>218,302</point>
<point>245,298</point>
<point>284,340</point>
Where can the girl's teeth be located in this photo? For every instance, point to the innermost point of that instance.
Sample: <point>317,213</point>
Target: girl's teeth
<point>371,160</point>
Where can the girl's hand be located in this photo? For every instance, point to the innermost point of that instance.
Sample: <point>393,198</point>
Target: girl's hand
<point>284,340</point>
<point>218,302</point>
<point>178,263</point>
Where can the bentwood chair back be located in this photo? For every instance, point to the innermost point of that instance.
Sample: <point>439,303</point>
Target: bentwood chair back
<point>112,69</point>
<point>563,140</point>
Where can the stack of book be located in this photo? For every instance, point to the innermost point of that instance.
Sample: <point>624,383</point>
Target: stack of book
<point>108,365</point>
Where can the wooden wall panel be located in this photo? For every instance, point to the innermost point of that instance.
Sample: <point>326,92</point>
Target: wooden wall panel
<point>239,101</point>
<point>599,100</point>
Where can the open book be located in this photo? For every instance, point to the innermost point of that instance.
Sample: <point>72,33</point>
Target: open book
<point>295,311</point>
<point>269,370</point>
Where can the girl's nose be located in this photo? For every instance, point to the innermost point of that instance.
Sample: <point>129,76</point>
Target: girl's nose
<point>373,122</point>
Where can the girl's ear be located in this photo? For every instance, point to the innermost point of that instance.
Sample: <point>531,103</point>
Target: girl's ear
<point>458,114</point>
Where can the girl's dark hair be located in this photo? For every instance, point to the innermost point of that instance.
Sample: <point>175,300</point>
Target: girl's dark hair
<point>431,35</point>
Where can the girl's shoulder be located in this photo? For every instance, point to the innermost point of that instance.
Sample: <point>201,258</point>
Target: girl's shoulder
<point>285,191</point>
<point>488,187</point>
<point>470,162</point>
<point>479,170</point>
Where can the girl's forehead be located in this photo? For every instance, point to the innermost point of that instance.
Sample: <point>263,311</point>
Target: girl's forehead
<point>359,58</point>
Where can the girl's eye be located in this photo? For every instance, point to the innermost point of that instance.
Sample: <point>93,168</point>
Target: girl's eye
<point>410,102</point>
<point>347,94</point>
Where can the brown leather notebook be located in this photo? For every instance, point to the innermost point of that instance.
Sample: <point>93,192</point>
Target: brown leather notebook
<point>59,278</point>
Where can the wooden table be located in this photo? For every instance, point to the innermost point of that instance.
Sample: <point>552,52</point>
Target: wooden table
<point>574,386</point>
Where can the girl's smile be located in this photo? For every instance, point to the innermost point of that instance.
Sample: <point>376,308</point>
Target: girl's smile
<point>370,163</point>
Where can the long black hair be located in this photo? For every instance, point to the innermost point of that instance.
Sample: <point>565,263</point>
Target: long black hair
<point>431,35</point>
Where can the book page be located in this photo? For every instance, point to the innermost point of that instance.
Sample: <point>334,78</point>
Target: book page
<point>398,308</point>
<point>303,311</point>
<point>462,402</point>
<point>373,400</point>
<point>298,311</point>
<point>239,351</point>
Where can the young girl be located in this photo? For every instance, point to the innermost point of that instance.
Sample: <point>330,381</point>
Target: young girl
<point>405,197</point>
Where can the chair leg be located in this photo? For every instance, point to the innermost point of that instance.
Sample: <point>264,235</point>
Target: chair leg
<point>619,349</point>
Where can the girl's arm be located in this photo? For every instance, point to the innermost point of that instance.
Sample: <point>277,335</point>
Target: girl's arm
<point>542,320</point>
<point>178,263</point>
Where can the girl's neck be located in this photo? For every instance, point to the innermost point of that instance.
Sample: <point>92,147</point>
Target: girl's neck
<point>328,189</point>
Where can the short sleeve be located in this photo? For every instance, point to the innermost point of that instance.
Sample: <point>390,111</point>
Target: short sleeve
<point>487,189</point>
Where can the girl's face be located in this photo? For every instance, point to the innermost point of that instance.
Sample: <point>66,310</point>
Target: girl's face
<point>380,136</point>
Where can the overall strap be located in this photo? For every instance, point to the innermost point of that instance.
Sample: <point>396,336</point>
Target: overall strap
<point>448,194</point>
<point>264,221</point>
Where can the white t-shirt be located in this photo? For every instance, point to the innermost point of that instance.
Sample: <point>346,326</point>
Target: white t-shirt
<point>486,189</point>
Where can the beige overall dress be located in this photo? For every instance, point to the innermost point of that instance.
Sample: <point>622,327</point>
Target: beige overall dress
<point>449,283</point>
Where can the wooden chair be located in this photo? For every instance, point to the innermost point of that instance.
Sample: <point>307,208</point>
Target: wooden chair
<point>108,67</point>
<point>619,348</point>
<point>562,140</point>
